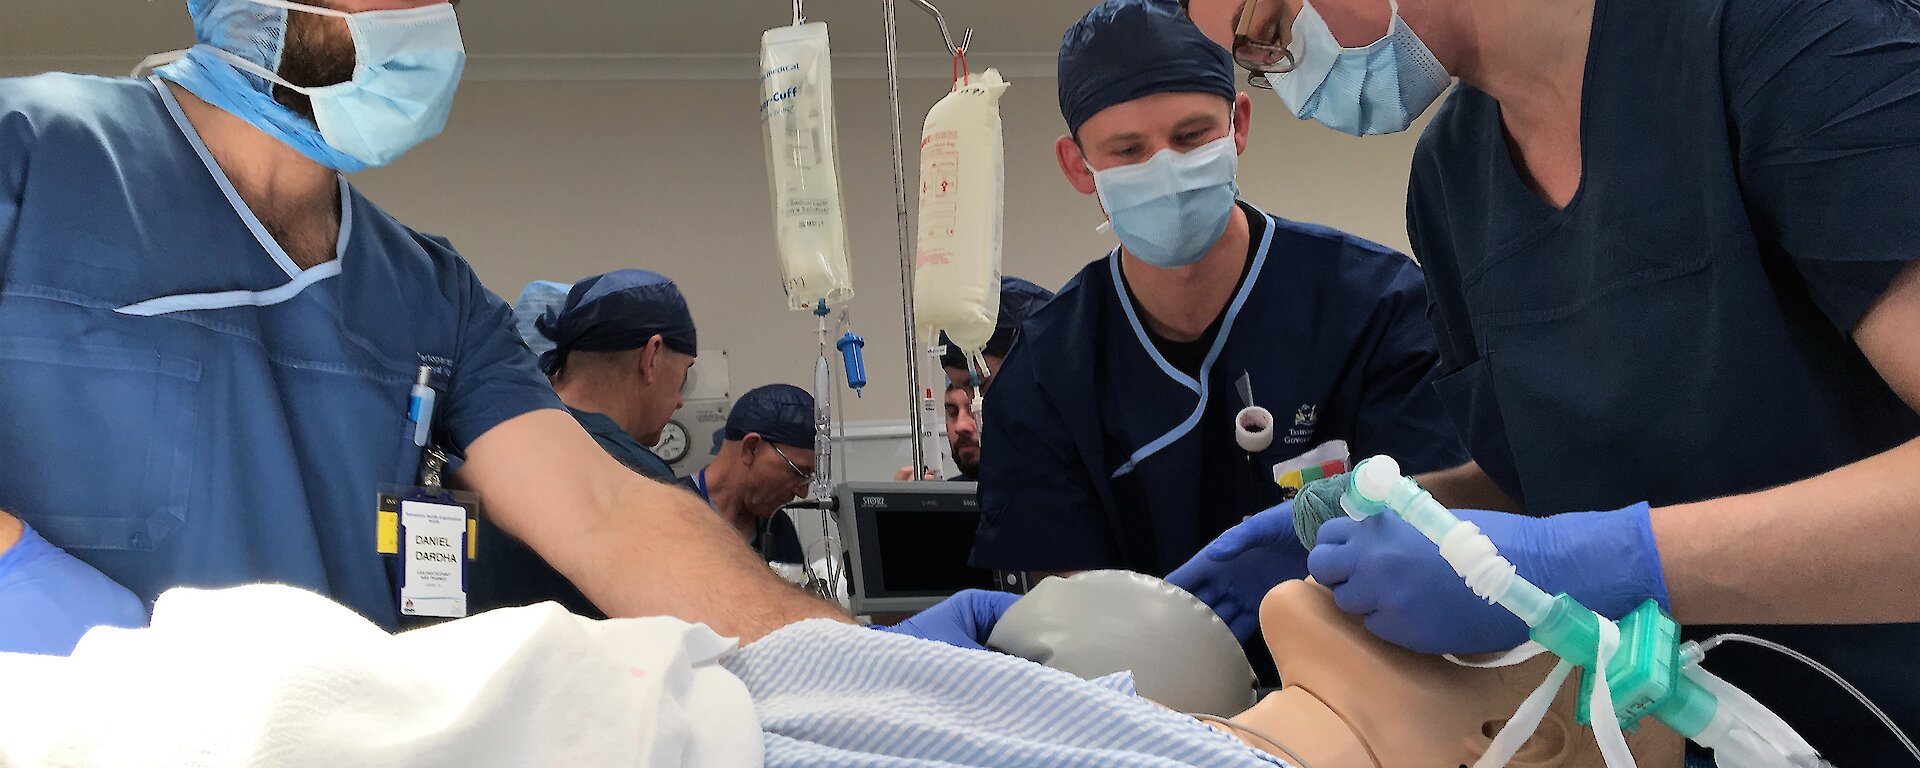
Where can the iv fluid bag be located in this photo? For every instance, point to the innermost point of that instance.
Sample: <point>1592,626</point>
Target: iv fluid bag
<point>956,284</point>
<point>796,115</point>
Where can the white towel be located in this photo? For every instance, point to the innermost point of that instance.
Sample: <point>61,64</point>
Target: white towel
<point>273,676</point>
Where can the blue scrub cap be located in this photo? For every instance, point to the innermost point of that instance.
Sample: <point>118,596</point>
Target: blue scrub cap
<point>615,312</point>
<point>535,300</point>
<point>780,413</point>
<point>1019,299</point>
<point>1125,49</point>
<point>253,31</point>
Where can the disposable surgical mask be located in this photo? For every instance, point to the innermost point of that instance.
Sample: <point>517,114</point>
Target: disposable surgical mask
<point>1170,209</point>
<point>407,64</point>
<point>1378,88</point>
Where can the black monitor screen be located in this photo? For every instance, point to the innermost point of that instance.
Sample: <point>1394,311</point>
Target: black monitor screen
<point>925,552</point>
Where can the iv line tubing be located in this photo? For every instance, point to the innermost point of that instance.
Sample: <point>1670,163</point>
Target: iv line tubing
<point>1716,640</point>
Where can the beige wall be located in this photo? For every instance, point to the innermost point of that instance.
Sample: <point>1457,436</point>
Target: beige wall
<point>566,179</point>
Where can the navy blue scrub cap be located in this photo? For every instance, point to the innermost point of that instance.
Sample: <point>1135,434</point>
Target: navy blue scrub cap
<point>1019,299</point>
<point>1125,49</point>
<point>616,312</point>
<point>779,413</point>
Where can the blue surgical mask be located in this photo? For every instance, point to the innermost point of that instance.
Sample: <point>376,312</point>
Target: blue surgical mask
<point>1170,209</point>
<point>1378,88</point>
<point>407,64</point>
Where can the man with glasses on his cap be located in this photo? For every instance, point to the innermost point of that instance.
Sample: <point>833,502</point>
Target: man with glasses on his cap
<point>764,460</point>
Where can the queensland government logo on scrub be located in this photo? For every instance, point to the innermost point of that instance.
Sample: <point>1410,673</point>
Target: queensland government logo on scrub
<point>1304,420</point>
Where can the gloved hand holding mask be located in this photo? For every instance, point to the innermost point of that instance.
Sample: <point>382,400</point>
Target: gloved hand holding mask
<point>1235,572</point>
<point>1385,570</point>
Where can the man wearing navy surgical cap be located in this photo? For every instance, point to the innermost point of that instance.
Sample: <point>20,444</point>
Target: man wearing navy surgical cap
<point>765,459</point>
<point>622,344</point>
<point>189,275</point>
<point>1019,299</point>
<point>1112,442</point>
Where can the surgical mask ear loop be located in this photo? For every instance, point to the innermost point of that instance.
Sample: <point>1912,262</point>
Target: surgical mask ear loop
<point>156,61</point>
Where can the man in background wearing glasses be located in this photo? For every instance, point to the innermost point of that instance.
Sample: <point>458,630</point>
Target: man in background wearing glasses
<point>765,459</point>
<point>1670,252</point>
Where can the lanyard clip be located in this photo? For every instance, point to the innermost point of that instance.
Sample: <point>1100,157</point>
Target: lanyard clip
<point>436,465</point>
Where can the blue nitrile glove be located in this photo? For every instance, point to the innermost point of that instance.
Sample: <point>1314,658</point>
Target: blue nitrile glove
<point>1235,572</point>
<point>964,620</point>
<point>1383,569</point>
<point>48,599</point>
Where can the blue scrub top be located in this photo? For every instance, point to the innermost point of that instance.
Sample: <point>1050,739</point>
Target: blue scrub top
<point>622,447</point>
<point>1099,454</point>
<point>183,405</point>
<point>1680,331</point>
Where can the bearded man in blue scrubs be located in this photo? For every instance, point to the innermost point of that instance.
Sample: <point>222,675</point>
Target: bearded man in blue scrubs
<point>1112,441</point>
<point>208,337</point>
<point>1671,250</point>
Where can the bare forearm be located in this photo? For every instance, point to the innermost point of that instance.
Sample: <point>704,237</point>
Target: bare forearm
<point>633,546</point>
<point>1466,487</point>
<point>663,552</point>
<point>1833,549</point>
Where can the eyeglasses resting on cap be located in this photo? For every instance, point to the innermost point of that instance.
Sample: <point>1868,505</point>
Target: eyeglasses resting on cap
<point>1259,40</point>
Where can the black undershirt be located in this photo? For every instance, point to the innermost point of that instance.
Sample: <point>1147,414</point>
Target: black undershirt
<point>1187,356</point>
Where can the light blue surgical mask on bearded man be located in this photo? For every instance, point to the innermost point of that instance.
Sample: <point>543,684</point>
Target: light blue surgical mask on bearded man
<point>1170,209</point>
<point>1377,88</point>
<point>407,64</point>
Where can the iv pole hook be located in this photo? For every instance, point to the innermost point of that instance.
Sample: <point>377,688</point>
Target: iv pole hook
<point>966,38</point>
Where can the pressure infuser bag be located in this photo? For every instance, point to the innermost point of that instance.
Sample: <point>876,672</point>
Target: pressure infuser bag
<point>796,114</point>
<point>956,285</point>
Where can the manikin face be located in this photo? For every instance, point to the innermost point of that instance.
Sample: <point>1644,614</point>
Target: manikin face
<point>1354,701</point>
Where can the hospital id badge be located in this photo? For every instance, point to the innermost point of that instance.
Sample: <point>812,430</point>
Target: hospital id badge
<point>430,532</point>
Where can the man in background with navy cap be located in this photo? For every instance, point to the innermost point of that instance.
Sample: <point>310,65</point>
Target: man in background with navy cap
<point>1019,299</point>
<point>622,344</point>
<point>764,461</point>
<point>1113,442</point>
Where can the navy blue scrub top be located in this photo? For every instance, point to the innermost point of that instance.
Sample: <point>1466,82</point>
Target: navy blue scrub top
<point>775,538</point>
<point>1103,455</point>
<point>183,405</point>
<point>1680,331</point>
<point>509,573</point>
<point>622,447</point>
